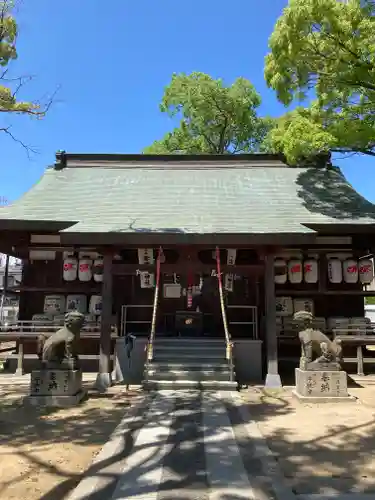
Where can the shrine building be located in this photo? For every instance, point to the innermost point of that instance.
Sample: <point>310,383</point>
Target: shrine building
<point>203,258</point>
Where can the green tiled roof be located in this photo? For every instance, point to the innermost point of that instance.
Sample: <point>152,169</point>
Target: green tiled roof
<point>244,199</point>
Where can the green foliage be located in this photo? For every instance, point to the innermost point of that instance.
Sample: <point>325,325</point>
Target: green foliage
<point>10,87</point>
<point>324,47</point>
<point>214,118</point>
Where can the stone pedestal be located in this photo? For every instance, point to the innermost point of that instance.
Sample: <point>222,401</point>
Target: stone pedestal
<point>55,388</point>
<point>321,386</point>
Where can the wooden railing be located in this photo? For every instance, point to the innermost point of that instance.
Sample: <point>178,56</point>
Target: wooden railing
<point>38,327</point>
<point>28,331</point>
<point>228,342</point>
<point>360,335</point>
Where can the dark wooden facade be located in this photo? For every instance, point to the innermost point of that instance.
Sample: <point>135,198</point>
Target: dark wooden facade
<point>121,286</point>
<point>189,205</point>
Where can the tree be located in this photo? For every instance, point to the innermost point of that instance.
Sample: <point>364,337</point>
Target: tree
<point>324,49</point>
<point>11,86</point>
<point>214,118</point>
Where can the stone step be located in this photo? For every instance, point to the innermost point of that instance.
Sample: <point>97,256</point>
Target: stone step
<point>217,367</point>
<point>181,356</point>
<point>188,375</point>
<point>215,385</point>
<point>188,341</point>
<point>196,350</point>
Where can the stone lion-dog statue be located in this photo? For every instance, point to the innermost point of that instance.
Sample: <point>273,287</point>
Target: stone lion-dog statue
<point>328,352</point>
<point>60,350</point>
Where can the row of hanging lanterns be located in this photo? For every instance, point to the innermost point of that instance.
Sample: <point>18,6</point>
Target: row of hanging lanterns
<point>349,270</point>
<point>84,268</point>
<point>295,271</point>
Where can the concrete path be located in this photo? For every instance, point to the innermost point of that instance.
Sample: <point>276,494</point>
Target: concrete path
<point>186,445</point>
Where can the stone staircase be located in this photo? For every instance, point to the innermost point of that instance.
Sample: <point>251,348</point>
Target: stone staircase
<point>189,363</point>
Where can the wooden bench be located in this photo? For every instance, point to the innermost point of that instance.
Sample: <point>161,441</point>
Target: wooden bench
<point>353,335</point>
<point>359,340</point>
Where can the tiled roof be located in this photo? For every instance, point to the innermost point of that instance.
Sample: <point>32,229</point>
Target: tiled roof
<point>251,198</point>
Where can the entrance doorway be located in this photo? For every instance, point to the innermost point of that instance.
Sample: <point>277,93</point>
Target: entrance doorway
<point>202,313</point>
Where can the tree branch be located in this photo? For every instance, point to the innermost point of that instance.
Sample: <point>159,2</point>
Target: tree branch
<point>27,148</point>
<point>222,135</point>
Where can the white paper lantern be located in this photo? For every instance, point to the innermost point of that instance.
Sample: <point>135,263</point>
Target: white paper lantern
<point>295,271</point>
<point>70,268</point>
<point>97,270</point>
<point>366,271</point>
<point>95,306</point>
<point>335,271</point>
<point>281,271</point>
<point>84,269</point>
<point>76,303</point>
<point>310,268</point>
<point>54,304</point>
<point>350,267</point>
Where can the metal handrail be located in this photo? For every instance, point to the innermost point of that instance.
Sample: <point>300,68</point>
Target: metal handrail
<point>228,342</point>
<point>150,345</point>
<point>254,318</point>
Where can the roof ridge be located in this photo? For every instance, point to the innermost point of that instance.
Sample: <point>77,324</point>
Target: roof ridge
<point>88,160</point>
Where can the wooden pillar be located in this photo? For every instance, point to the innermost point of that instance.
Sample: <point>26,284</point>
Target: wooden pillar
<point>104,380</point>
<point>323,272</point>
<point>272,378</point>
<point>5,288</point>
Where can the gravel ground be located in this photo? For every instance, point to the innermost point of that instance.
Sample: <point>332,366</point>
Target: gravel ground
<point>321,448</point>
<point>43,453</point>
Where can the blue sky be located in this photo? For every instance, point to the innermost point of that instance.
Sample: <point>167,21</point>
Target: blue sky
<point>111,61</point>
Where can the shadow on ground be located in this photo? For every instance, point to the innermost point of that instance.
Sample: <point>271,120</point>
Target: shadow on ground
<point>30,431</point>
<point>326,448</point>
<point>334,453</point>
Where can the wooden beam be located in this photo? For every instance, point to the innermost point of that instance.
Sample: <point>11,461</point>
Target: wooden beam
<point>157,238</point>
<point>273,378</point>
<point>181,266</point>
<point>307,293</point>
<point>71,287</point>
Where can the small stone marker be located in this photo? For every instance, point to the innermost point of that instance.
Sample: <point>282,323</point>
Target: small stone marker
<point>321,386</point>
<point>59,380</point>
<point>55,388</point>
<point>320,379</point>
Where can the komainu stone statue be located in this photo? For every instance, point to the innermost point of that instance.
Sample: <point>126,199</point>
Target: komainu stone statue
<point>329,352</point>
<point>60,350</point>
